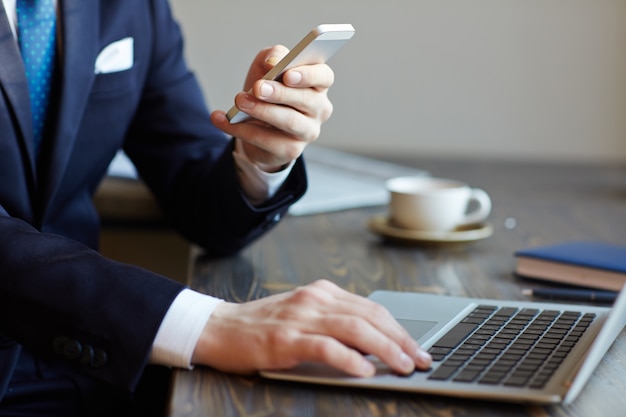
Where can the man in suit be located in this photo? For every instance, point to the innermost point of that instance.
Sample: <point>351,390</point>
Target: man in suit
<point>79,333</point>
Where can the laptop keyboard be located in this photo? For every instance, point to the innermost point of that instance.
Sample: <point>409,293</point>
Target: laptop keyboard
<point>508,346</point>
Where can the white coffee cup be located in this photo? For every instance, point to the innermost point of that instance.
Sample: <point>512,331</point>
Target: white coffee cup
<point>435,204</point>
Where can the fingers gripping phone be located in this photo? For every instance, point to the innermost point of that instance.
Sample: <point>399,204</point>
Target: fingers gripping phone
<point>315,48</point>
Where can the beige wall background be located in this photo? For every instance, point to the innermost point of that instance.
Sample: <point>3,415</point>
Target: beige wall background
<point>506,79</point>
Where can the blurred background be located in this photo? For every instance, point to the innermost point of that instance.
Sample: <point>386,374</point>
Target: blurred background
<point>497,79</point>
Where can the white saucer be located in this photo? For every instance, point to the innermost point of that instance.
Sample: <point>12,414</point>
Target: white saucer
<point>380,225</point>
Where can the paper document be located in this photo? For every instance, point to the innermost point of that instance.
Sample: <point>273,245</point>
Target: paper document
<point>340,180</point>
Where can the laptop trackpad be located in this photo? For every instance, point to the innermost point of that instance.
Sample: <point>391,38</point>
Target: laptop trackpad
<point>417,328</point>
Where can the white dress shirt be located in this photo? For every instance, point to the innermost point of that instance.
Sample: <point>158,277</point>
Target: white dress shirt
<point>184,321</point>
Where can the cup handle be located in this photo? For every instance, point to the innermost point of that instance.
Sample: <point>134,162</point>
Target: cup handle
<point>480,213</point>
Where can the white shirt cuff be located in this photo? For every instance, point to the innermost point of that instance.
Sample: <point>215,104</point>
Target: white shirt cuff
<point>181,328</point>
<point>257,185</point>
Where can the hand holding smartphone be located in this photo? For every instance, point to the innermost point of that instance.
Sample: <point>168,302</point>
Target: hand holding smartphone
<point>315,48</point>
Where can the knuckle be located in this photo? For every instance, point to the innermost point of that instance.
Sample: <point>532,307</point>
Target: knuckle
<point>323,283</point>
<point>326,286</point>
<point>327,111</point>
<point>353,327</point>
<point>293,122</point>
<point>279,49</point>
<point>318,293</point>
<point>379,311</point>
<point>280,337</point>
<point>306,294</point>
<point>312,133</point>
<point>331,78</point>
<point>322,350</point>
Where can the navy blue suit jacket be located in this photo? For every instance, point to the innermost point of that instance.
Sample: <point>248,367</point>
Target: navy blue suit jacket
<point>58,297</point>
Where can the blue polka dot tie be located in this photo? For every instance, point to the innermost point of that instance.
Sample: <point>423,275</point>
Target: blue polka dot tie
<point>37,28</point>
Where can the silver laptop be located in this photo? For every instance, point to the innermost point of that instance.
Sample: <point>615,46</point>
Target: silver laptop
<point>513,351</point>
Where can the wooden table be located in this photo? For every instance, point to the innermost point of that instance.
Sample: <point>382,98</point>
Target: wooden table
<point>532,204</point>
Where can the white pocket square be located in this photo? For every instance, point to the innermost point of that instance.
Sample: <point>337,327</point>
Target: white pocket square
<point>115,57</point>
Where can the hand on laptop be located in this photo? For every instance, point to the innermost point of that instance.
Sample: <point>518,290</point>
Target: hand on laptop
<point>319,322</point>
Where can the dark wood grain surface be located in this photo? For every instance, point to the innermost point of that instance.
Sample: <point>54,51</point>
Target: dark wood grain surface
<point>533,204</point>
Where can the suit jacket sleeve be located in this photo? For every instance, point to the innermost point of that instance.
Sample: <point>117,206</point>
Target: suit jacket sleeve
<point>63,300</point>
<point>58,296</point>
<point>188,163</point>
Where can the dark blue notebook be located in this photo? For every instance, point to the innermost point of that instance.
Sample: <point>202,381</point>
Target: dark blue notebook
<point>583,263</point>
<point>585,253</point>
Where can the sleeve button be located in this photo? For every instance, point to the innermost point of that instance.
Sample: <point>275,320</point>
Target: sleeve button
<point>72,350</point>
<point>87,356</point>
<point>99,358</point>
<point>58,344</point>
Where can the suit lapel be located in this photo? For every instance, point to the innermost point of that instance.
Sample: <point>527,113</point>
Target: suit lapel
<point>13,83</point>
<point>79,44</point>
